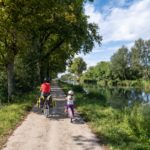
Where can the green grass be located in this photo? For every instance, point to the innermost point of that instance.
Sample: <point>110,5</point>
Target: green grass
<point>12,114</point>
<point>120,129</point>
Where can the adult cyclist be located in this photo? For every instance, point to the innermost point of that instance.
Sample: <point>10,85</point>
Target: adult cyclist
<point>45,88</point>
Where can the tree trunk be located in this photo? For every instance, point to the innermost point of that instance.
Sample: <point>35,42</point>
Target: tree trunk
<point>47,70</point>
<point>41,71</point>
<point>10,78</point>
<point>44,70</point>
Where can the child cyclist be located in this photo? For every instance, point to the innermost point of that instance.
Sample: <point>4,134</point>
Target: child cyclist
<point>70,103</point>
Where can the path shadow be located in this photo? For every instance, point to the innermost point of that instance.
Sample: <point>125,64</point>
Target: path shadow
<point>78,119</point>
<point>59,114</point>
<point>86,143</point>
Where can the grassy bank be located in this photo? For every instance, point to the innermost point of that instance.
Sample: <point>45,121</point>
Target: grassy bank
<point>120,129</point>
<point>12,114</point>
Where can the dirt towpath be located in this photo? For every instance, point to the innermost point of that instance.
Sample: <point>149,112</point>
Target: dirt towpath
<point>54,133</point>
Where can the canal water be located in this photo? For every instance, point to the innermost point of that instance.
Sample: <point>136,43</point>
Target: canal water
<point>120,97</point>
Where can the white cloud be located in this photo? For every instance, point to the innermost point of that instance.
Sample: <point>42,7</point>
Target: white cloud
<point>119,26</point>
<point>103,53</point>
<point>121,23</point>
<point>94,16</point>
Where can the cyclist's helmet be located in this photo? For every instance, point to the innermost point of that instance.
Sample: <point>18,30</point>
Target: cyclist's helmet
<point>46,80</point>
<point>70,92</point>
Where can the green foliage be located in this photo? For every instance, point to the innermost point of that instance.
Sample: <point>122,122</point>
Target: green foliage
<point>102,70</point>
<point>38,37</point>
<point>121,129</point>
<point>67,77</point>
<point>26,73</point>
<point>112,82</point>
<point>125,64</point>
<point>3,86</point>
<point>139,122</point>
<point>99,72</point>
<point>89,74</point>
<point>103,83</point>
<point>146,85</point>
<point>136,83</point>
<point>78,66</point>
<point>119,63</point>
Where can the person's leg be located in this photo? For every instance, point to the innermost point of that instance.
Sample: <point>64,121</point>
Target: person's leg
<point>72,109</point>
<point>66,108</point>
<point>41,102</point>
<point>42,94</point>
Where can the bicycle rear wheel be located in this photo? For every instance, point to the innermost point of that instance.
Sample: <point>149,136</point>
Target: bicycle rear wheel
<point>70,113</point>
<point>46,109</point>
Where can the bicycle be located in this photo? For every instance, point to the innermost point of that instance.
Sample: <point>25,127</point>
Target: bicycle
<point>70,111</point>
<point>45,103</point>
<point>46,108</point>
<point>49,103</point>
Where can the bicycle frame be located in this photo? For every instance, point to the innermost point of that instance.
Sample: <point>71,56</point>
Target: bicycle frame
<point>45,104</point>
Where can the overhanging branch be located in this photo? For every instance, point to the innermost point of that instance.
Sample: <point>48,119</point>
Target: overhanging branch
<point>57,45</point>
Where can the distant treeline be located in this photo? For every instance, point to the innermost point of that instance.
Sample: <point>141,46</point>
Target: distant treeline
<point>125,64</point>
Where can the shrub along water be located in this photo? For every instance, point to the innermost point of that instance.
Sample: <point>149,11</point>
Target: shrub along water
<point>126,83</point>
<point>121,129</point>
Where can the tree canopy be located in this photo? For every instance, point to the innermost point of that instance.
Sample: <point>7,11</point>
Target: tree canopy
<point>125,64</point>
<point>78,66</point>
<point>46,33</point>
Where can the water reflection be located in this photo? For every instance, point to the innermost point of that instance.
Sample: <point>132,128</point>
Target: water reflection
<point>120,97</point>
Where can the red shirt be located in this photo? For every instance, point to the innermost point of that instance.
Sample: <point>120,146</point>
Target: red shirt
<point>45,87</point>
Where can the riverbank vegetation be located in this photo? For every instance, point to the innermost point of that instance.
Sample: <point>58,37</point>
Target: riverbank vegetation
<point>125,65</point>
<point>121,128</point>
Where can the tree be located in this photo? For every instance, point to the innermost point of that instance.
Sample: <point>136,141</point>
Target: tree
<point>77,67</point>
<point>146,60</point>
<point>102,70</point>
<point>136,58</point>
<point>67,77</point>
<point>89,74</point>
<point>67,26</point>
<point>119,64</point>
<point>61,28</point>
<point>10,38</point>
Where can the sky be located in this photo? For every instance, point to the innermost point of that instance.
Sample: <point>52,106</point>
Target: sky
<point>120,22</point>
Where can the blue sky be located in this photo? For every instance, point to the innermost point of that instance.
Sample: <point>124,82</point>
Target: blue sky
<point>121,22</point>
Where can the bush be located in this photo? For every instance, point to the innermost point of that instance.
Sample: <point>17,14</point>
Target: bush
<point>125,83</point>
<point>102,82</point>
<point>112,82</point>
<point>136,83</point>
<point>146,85</point>
<point>139,121</point>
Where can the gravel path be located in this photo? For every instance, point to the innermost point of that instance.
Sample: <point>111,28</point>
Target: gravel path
<point>55,133</point>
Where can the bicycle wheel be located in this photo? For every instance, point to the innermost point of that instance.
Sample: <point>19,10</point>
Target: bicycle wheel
<point>46,109</point>
<point>70,113</point>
